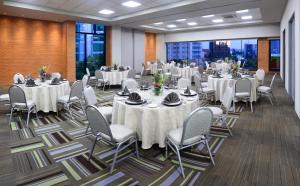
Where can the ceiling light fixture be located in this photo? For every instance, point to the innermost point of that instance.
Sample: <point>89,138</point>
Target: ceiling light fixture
<point>208,16</point>
<point>171,26</point>
<point>192,23</point>
<point>180,20</point>
<point>158,23</point>
<point>246,17</point>
<point>242,11</point>
<point>218,20</point>
<point>106,12</point>
<point>131,4</point>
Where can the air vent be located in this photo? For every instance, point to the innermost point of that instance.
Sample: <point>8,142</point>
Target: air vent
<point>229,16</point>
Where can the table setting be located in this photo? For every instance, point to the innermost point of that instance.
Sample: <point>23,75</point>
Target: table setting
<point>115,75</point>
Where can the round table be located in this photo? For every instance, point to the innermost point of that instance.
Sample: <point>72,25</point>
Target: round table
<point>45,95</point>
<point>220,85</point>
<point>115,77</point>
<point>187,72</point>
<point>152,124</point>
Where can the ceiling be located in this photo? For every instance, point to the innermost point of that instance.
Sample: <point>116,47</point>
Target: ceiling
<point>150,12</point>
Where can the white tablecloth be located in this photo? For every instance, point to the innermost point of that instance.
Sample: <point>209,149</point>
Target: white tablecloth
<point>223,67</point>
<point>45,95</point>
<point>187,72</point>
<point>115,77</point>
<point>152,124</point>
<point>220,84</point>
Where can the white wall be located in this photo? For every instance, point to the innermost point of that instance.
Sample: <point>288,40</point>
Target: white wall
<point>292,8</point>
<point>139,49</point>
<point>271,30</point>
<point>127,47</point>
<point>116,45</point>
<point>161,47</point>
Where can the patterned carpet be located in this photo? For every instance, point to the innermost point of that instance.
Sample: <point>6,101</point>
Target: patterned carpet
<point>54,150</point>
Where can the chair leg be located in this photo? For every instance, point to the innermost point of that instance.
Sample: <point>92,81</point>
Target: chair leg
<point>82,107</point>
<point>137,148</point>
<point>10,117</point>
<point>208,148</point>
<point>166,151</point>
<point>115,159</point>
<point>28,116</point>
<point>87,128</point>
<point>93,147</point>
<point>69,110</point>
<point>251,106</point>
<point>36,112</point>
<point>180,163</point>
<point>269,96</point>
<point>57,110</point>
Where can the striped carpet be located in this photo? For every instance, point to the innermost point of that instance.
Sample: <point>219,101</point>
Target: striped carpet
<point>54,150</point>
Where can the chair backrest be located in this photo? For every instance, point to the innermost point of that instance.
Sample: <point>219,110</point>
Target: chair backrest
<point>227,98</point>
<point>97,122</point>
<point>131,84</point>
<point>207,64</point>
<point>85,80</point>
<point>243,85</point>
<point>174,70</point>
<point>89,96</point>
<point>196,124</point>
<point>272,82</point>
<point>76,89</point>
<point>16,95</point>
<point>213,65</point>
<point>197,79</point>
<point>260,74</point>
<point>88,71</point>
<point>98,74</point>
<point>18,76</point>
<point>183,83</point>
<point>56,75</point>
<point>131,73</point>
<point>200,69</point>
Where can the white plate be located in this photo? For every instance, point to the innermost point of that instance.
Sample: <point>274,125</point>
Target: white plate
<point>152,105</point>
<point>190,99</point>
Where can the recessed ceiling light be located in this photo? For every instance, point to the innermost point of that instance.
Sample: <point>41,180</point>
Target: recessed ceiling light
<point>180,20</point>
<point>208,16</point>
<point>218,20</point>
<point>192,23</point>
<point>242,11</point>
<point>158,23</point>
<point>246,17</point>
<point>131,4</point>
<point>106,11</point>
<point>171,26</point>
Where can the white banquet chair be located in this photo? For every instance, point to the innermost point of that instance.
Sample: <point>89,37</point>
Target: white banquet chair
<point>85,80</point>
<point>243,91</point>
<point>19,102</point>
<point>267,91</point>
<point>119,136</point>
<point>18,76</point>
<point>74,97</point>
<point>226,102</point>
<point>131,74</point>
<point>204,92</point>
<point>100,80</point>
<point>260,75</point>
<point>183,83</point>
<point>89,74</point>
<point>130,83</point>
<point>196,128</point>
<point>91,99</point>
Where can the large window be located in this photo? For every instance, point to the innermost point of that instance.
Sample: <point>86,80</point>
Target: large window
<point>90,48</point>
<point>200,51</point>
<point>274,55</point>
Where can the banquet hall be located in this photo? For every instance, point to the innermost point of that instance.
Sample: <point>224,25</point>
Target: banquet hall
<point>150,92</point>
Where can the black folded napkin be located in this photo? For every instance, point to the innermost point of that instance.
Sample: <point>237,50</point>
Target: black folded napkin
<point>19,81</point>
<point>171,98</point>
<point>187,91</point>
<point>125,91</point>
<point>134,97</point>
<point>121,68</point>
<point>55,81</point>
<point>30,82</point>
<point>107,69</point>
<point>127,68</point>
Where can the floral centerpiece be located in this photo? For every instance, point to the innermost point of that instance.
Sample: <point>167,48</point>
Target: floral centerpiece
<point>43,71</point>
<point>158,81</point>
<point>234,69</point>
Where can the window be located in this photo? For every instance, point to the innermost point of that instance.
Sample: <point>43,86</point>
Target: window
<point>200,51</point>
<point>90,48</point>
<point>274,55</point>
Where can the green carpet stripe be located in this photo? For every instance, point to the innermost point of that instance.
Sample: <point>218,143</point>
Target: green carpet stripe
<point>26,147</point>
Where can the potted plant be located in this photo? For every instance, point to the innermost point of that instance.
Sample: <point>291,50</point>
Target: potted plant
<point>43,72</point>
<point>158,80</point>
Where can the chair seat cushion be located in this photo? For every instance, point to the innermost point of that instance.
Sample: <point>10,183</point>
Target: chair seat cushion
<point>92,78</point>
<point>242,94</point>
<point>216,111</point>
<point>65,99</point>
<point>30,104</point>
<point>120,132</point>
<point>4,97</point>
<point>208,90</point>
<point>137,76</point>
<point>204,84</point>
<point>175,136</point>
<point>263,89</point>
